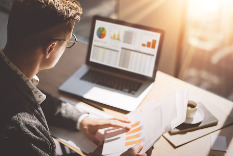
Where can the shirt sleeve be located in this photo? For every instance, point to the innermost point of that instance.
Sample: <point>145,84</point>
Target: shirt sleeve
<point>81,119</point>
<point>61,114</point>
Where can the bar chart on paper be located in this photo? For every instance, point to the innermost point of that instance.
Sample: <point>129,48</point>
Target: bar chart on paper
<point>146,123</point>
<point>134,136</point>
<point>149,122</point>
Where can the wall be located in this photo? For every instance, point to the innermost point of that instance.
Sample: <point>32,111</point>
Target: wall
<point>163,14</point>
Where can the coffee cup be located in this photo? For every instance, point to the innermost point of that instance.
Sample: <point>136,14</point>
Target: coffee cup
<point>191,109</point>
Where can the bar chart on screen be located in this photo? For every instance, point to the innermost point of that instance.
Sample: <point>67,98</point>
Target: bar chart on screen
<point>150,44</point>
<point>116,36</point>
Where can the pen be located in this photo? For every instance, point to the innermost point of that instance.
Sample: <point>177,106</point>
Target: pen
<point>93,105</point>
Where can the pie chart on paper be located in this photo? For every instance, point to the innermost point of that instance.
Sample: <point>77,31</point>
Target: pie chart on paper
<point>101,32</point>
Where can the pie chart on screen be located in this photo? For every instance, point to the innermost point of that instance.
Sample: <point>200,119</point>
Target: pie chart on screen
<point>101,32</point>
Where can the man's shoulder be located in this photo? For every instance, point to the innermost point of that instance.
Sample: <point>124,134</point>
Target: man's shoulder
<point>20,121</point>
<point>14,106</point>
<point>26,122</point>
<point>22,124</point>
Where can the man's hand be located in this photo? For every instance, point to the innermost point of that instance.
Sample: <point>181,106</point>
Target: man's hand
<point>89,126</point>
<point>134,151</point>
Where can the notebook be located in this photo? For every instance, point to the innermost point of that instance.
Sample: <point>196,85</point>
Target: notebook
<point>121,64</point>
<point>209,120</point>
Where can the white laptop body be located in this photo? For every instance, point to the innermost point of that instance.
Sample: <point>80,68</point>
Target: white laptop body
<point>117,51</point>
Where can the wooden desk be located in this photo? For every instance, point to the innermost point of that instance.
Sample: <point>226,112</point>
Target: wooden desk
<point>74,58</point>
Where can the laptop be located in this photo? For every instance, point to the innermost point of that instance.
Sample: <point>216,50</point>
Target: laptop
<point>121,64</point>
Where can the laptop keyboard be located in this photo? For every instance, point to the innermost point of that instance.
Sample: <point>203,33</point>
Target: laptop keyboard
<point>107,80</point>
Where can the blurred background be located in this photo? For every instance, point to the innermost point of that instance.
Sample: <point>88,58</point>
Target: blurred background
<point>198,44</point>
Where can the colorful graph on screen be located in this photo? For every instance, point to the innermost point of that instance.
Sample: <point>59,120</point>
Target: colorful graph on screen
<point>101,32</point>
<point>116,36</point>
<point>134,136</point>
<point>150,44</point>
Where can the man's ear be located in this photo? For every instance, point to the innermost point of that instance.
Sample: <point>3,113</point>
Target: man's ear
<point>50,48</point>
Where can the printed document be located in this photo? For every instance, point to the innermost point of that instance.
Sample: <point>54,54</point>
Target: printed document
<point>148,123</point>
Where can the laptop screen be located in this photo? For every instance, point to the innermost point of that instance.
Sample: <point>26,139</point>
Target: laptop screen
<point>124,47</point>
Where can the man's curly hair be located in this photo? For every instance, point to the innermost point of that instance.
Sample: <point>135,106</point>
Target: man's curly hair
<point>28,17</point>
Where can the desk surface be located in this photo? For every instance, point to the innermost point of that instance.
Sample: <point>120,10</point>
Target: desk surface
<point>75,57</point>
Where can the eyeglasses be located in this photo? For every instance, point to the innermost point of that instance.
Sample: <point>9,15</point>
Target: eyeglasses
<point>71,42</point>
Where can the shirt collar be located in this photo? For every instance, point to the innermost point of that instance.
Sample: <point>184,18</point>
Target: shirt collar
<point>39,96</point>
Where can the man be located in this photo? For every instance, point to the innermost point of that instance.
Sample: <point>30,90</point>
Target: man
<point>38,33</point>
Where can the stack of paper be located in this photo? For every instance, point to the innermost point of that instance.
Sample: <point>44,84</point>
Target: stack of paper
<point>149,122</point>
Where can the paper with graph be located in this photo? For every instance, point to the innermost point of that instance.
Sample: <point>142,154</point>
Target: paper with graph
<point>148,123</point>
